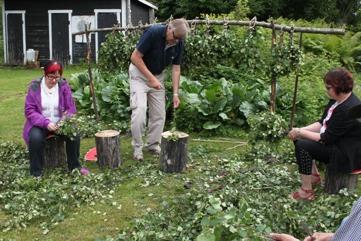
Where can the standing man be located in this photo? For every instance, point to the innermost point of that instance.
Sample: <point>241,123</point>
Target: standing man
<point>158,47</point>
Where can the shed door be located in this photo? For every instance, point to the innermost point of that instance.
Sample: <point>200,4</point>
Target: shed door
<point>105,19</point>
<point>15,38</point>
<point>60,37</point>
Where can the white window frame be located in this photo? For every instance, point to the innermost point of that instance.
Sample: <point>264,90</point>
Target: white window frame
<point>124,13</point>
<point>96,11</point>
<point>69,12</point>
<point>5,18</point>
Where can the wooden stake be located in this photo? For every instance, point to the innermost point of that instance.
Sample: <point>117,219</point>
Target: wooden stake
<point>273,78</point>
<point>296,88</point>
<point>91,84</point>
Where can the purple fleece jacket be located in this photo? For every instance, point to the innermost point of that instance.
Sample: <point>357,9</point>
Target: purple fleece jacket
<point>33,108</point>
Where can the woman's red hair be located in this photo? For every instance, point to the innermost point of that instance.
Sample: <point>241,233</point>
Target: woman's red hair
<point>52,66</point>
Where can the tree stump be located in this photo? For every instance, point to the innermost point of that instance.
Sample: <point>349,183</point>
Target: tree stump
<point>107,145</point>
<point>334,183</point>
<point>173,155</point>
<point>54,153</point>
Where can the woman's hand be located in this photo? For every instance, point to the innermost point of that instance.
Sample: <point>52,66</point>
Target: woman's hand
<point>52,126</point>
<point>282,237</point>
<point>319,237</point>
<point>294,134</point>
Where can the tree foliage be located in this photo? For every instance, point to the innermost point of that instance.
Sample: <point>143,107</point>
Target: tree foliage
<point>340,11</point>
<point>191,9</point>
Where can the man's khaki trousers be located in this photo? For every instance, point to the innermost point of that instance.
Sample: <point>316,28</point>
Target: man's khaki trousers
<point>142,96</point>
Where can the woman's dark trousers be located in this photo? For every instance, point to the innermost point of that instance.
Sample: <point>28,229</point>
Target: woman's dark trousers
<point>307,151</point>
<point>37,139</point>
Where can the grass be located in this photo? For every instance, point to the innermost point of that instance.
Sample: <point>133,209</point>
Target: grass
<point>100,219</point>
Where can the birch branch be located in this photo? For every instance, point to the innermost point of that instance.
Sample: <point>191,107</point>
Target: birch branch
<point>336,31</point>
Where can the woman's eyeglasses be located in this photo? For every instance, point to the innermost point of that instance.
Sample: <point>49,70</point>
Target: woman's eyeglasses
<point>53,76</point>
<point>328,87</point>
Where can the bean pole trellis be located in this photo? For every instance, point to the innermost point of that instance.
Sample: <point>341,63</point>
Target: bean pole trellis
<point>253,23</point>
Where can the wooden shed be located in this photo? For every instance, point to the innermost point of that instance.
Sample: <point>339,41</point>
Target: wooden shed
<point>47,26</point>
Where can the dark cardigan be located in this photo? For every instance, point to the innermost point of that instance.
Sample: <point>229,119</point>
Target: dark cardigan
<point>344,135</point>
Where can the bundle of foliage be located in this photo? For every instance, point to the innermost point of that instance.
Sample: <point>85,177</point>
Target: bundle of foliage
<point>267,126</point>
<point>79,125</point>
<point>284,60</point>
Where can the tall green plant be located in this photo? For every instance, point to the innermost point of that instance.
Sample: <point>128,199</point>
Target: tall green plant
<point>115,52</point>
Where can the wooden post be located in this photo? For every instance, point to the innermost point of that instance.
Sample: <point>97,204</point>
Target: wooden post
<point>88,59</point>
<point>108,148</point>
<point>54,153</point>
<point>296,85</point>
<point>173,156</point>
<point>335,182</point>
<point>273,77</point>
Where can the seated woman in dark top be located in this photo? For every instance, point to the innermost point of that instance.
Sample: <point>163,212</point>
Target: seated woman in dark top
<point>334,139</point>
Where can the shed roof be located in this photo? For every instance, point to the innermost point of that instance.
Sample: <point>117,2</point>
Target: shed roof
<point>149,4</point>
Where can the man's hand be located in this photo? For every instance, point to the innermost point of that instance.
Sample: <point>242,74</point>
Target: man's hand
<point>319,237</point>
<point>282,237</point>
<point>176,101</point>
<point>154,83</point>
<point>52,127</point>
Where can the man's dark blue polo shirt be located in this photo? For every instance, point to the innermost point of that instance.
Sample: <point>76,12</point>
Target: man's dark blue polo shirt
<point>152,45</point>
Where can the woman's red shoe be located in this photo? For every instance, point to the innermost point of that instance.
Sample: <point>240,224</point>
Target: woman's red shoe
<point>308,195</point>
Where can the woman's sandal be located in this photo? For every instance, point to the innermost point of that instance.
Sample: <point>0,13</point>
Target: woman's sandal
<point>316,179</point>
<point>310,195</point>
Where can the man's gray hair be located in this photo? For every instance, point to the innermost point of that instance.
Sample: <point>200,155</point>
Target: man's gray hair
<point>180,27</point>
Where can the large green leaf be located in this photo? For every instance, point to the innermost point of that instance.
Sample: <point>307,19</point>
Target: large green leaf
<point>107,93</point>
<point>191,98</point>
<point>246,108</point>
<point>190,86</point>
<point>209,125</point>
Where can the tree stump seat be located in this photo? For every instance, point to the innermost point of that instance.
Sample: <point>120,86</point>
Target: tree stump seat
<point>108,148</point>
<point>174,154</point>
<point>54,153</point>
<point>335,182</point>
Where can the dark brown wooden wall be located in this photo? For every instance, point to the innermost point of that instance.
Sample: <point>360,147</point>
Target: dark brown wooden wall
<point>36,17</point>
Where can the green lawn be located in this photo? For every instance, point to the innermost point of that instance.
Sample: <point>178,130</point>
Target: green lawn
<point>100,219</point>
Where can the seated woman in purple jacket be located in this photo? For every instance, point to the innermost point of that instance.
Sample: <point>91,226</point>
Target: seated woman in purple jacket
<point>48,100</point>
